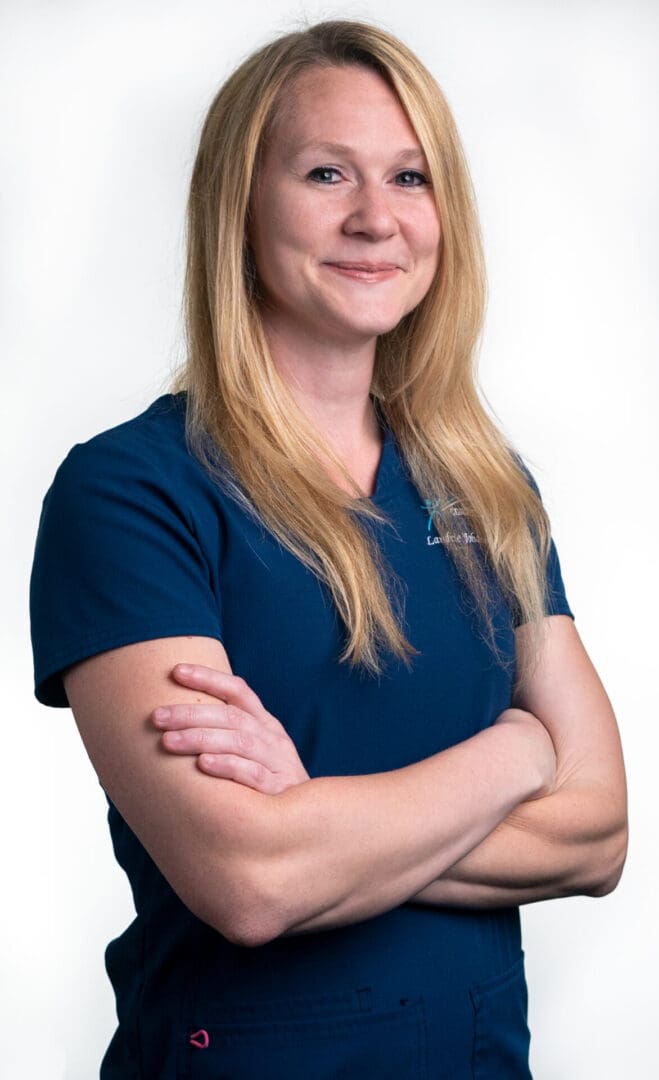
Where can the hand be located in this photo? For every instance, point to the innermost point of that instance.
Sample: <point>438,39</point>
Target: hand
<point>544,753</point>
<point>237,739</point>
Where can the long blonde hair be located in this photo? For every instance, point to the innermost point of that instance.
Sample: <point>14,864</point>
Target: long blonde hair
<point>244,424</point>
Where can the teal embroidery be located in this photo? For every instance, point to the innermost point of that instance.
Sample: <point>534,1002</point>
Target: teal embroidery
<point>431,508</point>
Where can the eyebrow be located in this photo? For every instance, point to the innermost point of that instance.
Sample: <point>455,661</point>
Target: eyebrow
<point>409,153</point>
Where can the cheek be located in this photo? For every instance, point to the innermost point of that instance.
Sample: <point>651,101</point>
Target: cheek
<point>427,233</point>
<point>426,240</point>
<point>429,248</point>
<point>423,237</point>
<point>288,231</point>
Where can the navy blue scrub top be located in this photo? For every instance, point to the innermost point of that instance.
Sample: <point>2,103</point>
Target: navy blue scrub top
<point>136,542</point>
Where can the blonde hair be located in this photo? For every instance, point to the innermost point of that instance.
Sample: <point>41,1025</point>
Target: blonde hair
<point>242,421</point>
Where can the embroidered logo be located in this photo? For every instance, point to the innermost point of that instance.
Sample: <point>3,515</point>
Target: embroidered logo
<point>433,509</point>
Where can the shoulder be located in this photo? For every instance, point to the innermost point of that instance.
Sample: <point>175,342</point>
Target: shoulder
<point>144,458</point>
<point>153,437</point>
<point>127,547</point>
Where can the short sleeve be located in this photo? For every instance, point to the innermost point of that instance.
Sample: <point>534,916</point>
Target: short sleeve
<point>116,561</point>
<point>556,602</point>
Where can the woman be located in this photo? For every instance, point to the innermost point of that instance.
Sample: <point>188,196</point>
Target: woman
<point>388,735</point>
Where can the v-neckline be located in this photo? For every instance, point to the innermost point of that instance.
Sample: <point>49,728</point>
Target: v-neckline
<point>384,464</point>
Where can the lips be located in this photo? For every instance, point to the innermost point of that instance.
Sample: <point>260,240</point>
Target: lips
<point>367,273</point>
<point>368,268</point>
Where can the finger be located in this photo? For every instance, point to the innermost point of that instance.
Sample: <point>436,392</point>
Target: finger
<point>232,688</point>
<point>190,715</point>
<point>249,773</point>
<point>218,741</point>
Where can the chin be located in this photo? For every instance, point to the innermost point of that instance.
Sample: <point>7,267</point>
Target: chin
<point>368,331</point>
<point>374,325</point>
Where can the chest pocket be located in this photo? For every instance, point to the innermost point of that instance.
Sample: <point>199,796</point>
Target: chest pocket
<point>501,1033</point>
<point>321,1036</point>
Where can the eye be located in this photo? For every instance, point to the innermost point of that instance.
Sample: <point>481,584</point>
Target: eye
<point>321,169</point>
<point>412,172</point>
<point>418,177</point>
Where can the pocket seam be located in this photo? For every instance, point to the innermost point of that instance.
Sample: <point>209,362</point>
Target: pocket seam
<point>484,999</point>
<point>356,1002</point>
<point>479,990</point>
<point>301,1033</point>
<point>314,1026</point>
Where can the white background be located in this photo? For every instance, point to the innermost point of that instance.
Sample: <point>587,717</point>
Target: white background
<point>556,104</point>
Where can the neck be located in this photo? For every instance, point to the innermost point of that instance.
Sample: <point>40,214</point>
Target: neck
<point>331,383</point>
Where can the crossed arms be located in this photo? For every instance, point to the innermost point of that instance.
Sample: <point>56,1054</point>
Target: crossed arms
<point>575,840</point>
<point>463,827</point>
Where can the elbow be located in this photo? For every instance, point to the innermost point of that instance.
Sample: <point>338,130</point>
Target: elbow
<point>256,917</point>
<point>249,935</point>
<point>269,884</point>
<point>249,925</point>
<point>237,903</point>
<point>612,867</point>
<point>255,907</point>
<point>252,929</point>
<point>277,886</point>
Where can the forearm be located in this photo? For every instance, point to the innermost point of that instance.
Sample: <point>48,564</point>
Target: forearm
<point>569,843</point>
<point>353,847</point>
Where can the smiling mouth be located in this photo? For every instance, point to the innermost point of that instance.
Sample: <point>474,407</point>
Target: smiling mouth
<point>372,266</point>
<point>364,271</point>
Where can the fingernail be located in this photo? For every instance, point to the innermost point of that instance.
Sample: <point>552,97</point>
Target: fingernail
<point>161,715</point>
<point>184,669</point>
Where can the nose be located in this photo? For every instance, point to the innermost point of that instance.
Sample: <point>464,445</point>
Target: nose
<point>371,213</point>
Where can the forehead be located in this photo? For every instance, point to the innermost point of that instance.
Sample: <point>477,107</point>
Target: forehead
<point>337,105</point>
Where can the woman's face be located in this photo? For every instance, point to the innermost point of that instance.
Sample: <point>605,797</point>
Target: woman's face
<point>366,202</point>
